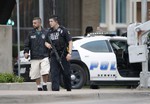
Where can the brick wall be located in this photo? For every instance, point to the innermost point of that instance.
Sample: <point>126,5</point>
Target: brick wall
<point>90,14</point>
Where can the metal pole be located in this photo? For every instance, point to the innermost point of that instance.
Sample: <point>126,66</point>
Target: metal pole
<point>144,19</point>
<point>18,36</point>
<point>144,75</point>
<point>144,10</point>
<point>41,13</point>
<point>54,7</point>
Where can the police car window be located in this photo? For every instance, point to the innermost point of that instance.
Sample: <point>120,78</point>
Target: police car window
<point>97,46</point>
<point>118,44</point>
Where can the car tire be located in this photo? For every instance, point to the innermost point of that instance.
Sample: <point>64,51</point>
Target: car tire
<point>78,77</point>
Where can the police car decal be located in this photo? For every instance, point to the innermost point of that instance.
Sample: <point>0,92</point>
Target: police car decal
<point>103,66</point>
<point>93,65</point>
<point>113,66</point>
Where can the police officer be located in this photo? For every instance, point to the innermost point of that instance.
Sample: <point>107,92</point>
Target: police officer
<point>35,42</point>
<point>62,41</point>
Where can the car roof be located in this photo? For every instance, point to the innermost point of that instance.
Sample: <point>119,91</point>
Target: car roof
<point>93,38</point>
<point>109,35</point>
<point>100,38</point>
<point>118,38</point>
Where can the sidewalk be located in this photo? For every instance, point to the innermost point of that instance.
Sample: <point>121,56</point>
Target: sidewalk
<point>33,96</point>
<point>21,86</point>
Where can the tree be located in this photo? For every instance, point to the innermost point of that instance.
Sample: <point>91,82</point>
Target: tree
<point>6,7</point>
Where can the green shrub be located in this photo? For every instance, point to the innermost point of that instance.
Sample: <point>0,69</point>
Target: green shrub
<point>10,78</point>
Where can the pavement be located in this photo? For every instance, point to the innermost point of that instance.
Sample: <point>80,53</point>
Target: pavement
<point>22,93</point>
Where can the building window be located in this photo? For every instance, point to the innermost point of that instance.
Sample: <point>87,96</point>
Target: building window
<point>120,11</point>
<point>102,11</point>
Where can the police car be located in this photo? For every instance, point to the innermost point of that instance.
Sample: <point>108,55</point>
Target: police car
<point>102,60</point>
<point>24,66</point>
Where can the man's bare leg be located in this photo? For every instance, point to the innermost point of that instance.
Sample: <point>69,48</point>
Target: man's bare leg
<point>45,79</point>
<point>38,83</point>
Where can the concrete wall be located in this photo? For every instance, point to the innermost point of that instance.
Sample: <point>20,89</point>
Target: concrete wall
<point>90,14</point>
<point>5,49</point>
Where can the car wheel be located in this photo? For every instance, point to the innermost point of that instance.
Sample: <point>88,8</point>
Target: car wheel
<point>78,77</point>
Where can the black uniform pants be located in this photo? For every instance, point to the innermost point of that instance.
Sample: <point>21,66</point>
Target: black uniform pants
<point>56,72</point>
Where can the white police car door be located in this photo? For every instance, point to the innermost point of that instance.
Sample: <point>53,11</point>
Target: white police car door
<point>100,59</point>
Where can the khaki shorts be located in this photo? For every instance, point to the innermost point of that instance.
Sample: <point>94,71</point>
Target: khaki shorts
<point>39,67</point>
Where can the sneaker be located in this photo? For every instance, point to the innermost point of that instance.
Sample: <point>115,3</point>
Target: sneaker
<point>45,88</point>
<point>40,89</point>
